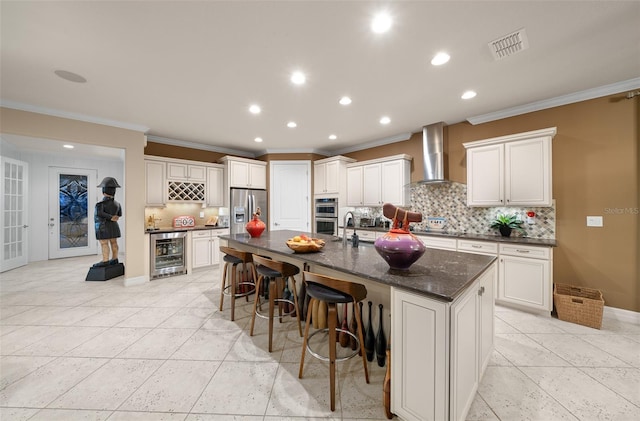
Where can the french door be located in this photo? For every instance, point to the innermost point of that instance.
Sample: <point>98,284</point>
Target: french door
<point>13,203</point>
<point>72,200</point>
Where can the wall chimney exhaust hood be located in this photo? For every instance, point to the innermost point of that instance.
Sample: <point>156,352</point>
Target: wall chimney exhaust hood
<point>433,154</point>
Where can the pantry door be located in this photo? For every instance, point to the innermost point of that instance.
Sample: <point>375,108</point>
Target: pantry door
<point>72,201</point>
<point>289,191</point>
<point>14,185</point>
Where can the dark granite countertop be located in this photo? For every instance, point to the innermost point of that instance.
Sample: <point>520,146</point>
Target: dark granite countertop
<point>196,228</point>
<point>478,237</point>
<point>440,274</point>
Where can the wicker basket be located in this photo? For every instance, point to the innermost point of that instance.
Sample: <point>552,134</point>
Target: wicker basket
<point>578,305</point>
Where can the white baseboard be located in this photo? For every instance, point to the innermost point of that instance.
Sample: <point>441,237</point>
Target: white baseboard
<point>137,280</point>
<point>621,315</point>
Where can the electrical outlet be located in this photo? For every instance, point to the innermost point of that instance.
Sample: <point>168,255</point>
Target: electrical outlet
<point>202,214</point>
<point>594,221</point>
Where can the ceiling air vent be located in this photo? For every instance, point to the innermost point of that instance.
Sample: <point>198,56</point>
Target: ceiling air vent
<point>509,44</point>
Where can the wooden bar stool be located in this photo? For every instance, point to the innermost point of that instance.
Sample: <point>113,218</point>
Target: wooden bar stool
<point>247,279</point>
<point>277,275</point>
<point>333,291</point>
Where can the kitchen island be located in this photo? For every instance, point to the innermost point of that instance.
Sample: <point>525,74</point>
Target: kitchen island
<point>441,317</point>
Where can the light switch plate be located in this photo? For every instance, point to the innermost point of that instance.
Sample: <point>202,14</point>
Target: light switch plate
<point>594,221</point>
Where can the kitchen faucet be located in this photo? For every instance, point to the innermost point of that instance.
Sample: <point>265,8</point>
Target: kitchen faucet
<point>344,227</point>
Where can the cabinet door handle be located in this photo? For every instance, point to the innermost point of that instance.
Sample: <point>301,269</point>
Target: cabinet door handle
<point>481,291</point>
<point>475,246</point>
<point>522,251</point>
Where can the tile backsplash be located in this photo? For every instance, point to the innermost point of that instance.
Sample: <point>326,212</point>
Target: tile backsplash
<point>448,200</point>
<point>164,216</point>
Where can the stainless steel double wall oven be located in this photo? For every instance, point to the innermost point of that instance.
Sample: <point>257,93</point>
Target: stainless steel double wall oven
<point>326,216</point>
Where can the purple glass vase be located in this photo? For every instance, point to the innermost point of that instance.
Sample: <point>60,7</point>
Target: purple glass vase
<point>399,248</point>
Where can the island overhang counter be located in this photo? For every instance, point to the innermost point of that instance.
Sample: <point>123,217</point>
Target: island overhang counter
<point>441,324</point>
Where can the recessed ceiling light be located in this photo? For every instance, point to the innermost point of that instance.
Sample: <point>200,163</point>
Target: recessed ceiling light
<point>70,76</point>
<point>332,137</point>
<point>258,139</point>
<point>345,100</point>
<point>68,146</point>
<point>381,23</point>
<point>468,95</point>
<point>440,59</point>
<point>292,124</point>
<point>385,120</point>
<point>298,78</point>
<point>255,109</point>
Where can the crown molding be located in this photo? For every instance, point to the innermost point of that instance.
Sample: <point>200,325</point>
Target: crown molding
<point>73,116</point>
<point>293,151</point>
<point>384,141</point>
<point>201,146</point>
<point>585,95</point>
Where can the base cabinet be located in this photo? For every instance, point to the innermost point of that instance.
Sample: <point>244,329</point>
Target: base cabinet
<point>436,374</point>
<point>525,276</point>
<point>205,246</point>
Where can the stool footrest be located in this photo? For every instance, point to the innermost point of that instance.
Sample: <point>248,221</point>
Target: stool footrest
<point>240,294</point>
<point>322,357</point>
<point>277,300</point>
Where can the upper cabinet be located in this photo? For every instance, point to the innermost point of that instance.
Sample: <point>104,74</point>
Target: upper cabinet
<point>245,173</point>
<point>379,181</point>
<point>186,172</point>
<point>155,179</point>
<point>512,170</point>
<point>173,180</point>
<point>215,186</point>
<point>330,175</point>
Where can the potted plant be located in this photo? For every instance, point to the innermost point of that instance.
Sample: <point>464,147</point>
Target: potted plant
<point>506,223</point>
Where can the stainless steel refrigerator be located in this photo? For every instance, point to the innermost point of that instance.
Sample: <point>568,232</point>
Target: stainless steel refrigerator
<point>243,205</point>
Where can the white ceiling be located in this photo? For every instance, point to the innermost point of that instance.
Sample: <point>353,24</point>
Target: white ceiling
<point>188,71</point>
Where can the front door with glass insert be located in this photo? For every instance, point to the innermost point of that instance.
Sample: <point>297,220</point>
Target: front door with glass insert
<point>72,200</point>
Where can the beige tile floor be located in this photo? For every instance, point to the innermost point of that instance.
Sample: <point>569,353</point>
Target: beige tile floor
<point>76,350</point>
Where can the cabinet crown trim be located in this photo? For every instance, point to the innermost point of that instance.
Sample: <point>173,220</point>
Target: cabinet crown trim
<point>384,159</point>
<point>551,132</point>
<point>182,161</point>
<point>227,158</point>
<point>334,158</point>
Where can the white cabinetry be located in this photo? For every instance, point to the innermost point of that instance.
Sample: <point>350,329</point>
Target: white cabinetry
<point>436,374</point>
<point>379,181</point>
<point>215,186</point>
<point>354,186</point>
<point>155,179</point>
<point>205,246</point>
<point>330,175</point>
<point>525,276</point>
<point>478,247</point>
<point>441,243</point>
<point>245,173</point>
<point>176,180</point>
<point>186,172</point>
<point>510,170</point>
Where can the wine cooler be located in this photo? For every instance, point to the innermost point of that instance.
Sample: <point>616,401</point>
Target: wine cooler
<point>168,254</point>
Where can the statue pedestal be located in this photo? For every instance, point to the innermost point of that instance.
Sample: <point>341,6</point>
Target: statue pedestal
<point>104,273</point>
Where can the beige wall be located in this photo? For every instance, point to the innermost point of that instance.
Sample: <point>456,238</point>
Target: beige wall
<point>47,127</point>
<point>595,172</point>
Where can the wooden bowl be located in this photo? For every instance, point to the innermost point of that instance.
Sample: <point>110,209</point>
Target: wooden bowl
<point>314,245</point>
